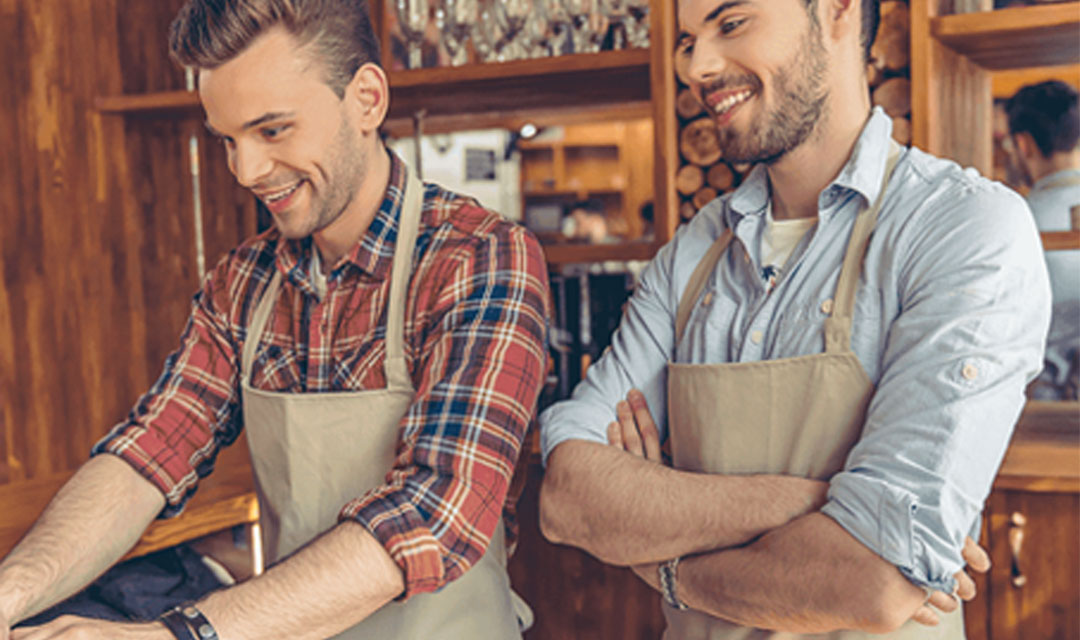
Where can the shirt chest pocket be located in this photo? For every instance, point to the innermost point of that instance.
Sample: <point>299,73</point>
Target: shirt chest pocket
<point>801,328</point>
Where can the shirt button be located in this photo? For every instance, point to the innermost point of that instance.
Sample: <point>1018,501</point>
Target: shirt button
<point>826,307</point>
<point>756,336</point>
<point>970,372</point>
<point>707,300</point>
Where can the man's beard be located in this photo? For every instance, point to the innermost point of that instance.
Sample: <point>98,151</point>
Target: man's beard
<point>345,172</point>
<point>800,103</point>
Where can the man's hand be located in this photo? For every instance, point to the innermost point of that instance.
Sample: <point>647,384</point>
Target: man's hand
<point>635,432</point>
<point>976,558</point>
<point>76,628</point>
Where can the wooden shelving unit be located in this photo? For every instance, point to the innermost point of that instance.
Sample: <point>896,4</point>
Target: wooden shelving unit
<point>1033,36</point>
<point>952,60</point>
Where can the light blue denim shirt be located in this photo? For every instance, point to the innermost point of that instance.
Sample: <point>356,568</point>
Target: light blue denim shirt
<point>950,321</point>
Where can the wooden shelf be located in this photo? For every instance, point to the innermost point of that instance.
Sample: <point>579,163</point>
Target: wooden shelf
<point>1059,240</point>
<point>572,88</point>
<point>163,101</point>
<point>558,254</point>
<point>1032,36</point>
<point>562,82</point>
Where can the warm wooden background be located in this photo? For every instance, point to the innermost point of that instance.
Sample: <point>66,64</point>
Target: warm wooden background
<point>97,243</point>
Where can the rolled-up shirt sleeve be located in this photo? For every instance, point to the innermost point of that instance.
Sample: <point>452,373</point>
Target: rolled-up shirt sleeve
<point>478,373</point>
<point>975,309</point>
<point>175,430</point>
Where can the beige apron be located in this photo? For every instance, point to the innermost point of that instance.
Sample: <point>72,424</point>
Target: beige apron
<point>796,416</point>
<point>313,452</point>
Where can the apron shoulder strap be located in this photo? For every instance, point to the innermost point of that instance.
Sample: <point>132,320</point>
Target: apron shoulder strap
<point>258,324</point>
<point>838,324</point>
<point>697,282</point>
<point>397,373</point>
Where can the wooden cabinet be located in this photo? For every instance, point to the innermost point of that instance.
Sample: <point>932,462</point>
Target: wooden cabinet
<point>1031,528</point>
<point>609,162</point>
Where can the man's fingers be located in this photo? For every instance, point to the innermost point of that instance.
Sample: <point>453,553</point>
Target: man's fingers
<point>630,437</point>
<point>943,601</point>
<point>614,435</point>
<point>965,586</point>
<point>650,435</point>
<point>925,616</point>
<point>975,556</point>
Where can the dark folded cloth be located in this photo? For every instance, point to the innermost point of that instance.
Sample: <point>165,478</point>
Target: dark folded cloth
<point>139,589</point>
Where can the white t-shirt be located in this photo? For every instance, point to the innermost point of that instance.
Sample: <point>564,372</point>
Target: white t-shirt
<point>777,242</point>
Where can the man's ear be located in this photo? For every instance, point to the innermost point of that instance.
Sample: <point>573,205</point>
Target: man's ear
<point>368,95</point>
<point>1025,144</point>
<point>840,18</point>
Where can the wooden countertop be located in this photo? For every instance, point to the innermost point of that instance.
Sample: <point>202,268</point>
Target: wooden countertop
<point>1044,454</point>
<point>225,499</point>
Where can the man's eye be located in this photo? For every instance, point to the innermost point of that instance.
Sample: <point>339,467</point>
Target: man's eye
<point>684,48</point>
<point>729,26</point>
<point>273,132</point>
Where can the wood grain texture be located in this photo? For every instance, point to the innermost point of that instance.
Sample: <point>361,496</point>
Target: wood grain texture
<point>97,267</point>
<point>1048,604</point>
<point>572,594</point>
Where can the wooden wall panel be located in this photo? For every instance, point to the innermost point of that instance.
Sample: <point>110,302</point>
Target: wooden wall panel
<point>97,259</point>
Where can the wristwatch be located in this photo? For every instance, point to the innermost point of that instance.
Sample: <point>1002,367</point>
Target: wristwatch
<point>667,571</point>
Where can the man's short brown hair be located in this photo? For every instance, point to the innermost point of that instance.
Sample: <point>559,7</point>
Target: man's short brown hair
<point>209,33</point>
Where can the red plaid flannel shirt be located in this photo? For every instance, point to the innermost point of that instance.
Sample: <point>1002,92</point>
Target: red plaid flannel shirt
<point>474,337</point>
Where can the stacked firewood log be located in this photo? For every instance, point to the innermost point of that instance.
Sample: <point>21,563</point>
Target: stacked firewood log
<point>704,173</point>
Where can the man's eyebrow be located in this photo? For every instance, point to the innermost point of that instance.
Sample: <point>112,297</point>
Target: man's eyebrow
<point>712,15</point>
<point>263,119</point>
<point>267,117</point>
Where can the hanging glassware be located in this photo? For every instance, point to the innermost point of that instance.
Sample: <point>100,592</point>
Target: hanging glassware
<point>618,13</point>
<point>589,24</point>
<point>454,19</point>
<point>487,34</point>
<point>413,18</point>
<point>512,15</point>
<point>558,26</point>
<point>638,26</point>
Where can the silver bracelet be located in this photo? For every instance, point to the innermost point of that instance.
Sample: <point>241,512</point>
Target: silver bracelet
<point>667,572</point>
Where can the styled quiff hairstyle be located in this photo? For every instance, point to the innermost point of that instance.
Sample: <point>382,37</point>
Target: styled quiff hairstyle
<point>209,33</point>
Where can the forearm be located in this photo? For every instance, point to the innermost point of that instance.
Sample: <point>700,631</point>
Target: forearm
<point>94,519</point>
<point>626,510</point>
<point>809,576</point>
<point>328,586</point>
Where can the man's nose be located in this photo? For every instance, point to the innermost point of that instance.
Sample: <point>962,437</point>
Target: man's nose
<point>706,64</point>
<point>249,163</point>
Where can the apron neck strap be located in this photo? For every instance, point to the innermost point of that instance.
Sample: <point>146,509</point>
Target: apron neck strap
<point>395,366</point>
<point>838,324</point>
<point>397,371</point>
<point>697,282</point>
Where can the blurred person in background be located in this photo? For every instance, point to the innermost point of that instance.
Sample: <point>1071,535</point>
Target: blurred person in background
<point>1044,124</point>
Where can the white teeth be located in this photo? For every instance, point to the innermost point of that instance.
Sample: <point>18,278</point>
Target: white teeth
<point>284,194</point>
<point>732,100</point>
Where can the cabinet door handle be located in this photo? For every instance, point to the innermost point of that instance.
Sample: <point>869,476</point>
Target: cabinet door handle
<point>1016,541</point>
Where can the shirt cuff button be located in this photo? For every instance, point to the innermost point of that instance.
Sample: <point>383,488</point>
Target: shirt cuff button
<point>826,307</point>
<point>970,371</point>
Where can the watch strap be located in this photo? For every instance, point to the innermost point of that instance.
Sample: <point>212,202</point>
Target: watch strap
<point>177,625</point>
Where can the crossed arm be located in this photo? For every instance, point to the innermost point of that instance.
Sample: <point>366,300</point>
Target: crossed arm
<point>805,574</point>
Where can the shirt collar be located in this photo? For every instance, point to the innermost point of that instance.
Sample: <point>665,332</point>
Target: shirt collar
<point>373,254</point>
<point>1048,181</point>
<point>862,173</point>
